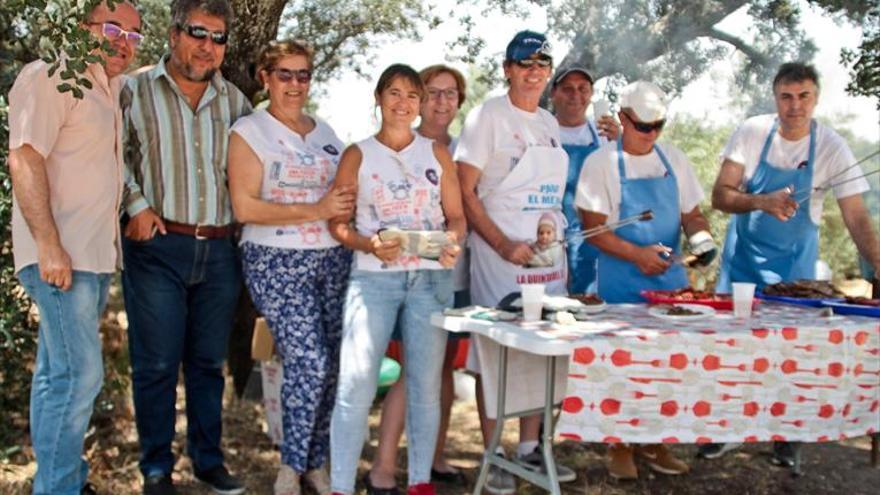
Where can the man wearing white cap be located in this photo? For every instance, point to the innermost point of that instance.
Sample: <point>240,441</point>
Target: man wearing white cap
<point>621,180</point>
<point>571,92</point>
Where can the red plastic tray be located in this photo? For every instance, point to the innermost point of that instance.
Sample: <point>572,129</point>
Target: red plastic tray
<point>668,297</point>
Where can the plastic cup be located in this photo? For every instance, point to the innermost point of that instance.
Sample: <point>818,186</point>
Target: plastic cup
<point>601,108</point>
<point>743,296</point>
<point>532,301</point>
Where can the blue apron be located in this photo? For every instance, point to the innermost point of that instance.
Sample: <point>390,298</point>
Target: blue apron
<point>581,255</point>
<point>762,249</point>
<point>620,281</point>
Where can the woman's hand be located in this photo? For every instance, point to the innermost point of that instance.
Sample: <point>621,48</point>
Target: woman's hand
<point>451,251</point>
<point>387,251</point>
<point>338,201</point>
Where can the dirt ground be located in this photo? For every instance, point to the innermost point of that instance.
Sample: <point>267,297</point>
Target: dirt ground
<point>112,451</point>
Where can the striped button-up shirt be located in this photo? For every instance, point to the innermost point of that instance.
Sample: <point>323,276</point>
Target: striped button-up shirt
<point>175,157</point>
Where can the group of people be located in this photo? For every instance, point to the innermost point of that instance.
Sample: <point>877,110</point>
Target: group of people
<point>183,153</point>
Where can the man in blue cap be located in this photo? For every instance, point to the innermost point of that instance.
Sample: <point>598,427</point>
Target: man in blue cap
<point>512,171</point>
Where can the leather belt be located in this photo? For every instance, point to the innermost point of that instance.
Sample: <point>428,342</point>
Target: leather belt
<point>200,232</point>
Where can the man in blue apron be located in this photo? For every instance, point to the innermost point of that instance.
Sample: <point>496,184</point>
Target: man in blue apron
<point>775,171</point>
<point>571,92</point>
<point>620,180</point>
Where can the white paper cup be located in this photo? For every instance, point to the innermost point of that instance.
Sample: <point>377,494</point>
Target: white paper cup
<point>743,296</point>
<point>532,301</point>
<point>601,108</point>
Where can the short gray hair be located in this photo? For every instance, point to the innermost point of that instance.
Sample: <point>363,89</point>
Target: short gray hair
<point>181,9</point>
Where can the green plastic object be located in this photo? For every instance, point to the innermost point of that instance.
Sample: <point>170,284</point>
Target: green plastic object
<point>389,372</point>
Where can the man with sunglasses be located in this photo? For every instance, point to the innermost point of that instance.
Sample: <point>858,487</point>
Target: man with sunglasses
<point>66,169</point>
<point>770,171</point>
<point>512,172</point>
<point>621,180</point>
<point>181,279</point>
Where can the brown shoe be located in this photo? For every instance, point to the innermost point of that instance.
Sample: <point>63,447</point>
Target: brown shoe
<point>620,463</point>
<point>660,459</point>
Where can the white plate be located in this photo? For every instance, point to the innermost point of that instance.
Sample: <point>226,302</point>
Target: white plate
<point>562,303</point>
<point>659,311</point>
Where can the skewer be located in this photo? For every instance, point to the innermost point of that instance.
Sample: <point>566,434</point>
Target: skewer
<point>829,186</point>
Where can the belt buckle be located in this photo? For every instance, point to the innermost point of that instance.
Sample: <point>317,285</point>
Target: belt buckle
<point>196,233</point>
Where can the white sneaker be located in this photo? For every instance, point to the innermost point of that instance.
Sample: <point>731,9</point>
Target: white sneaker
<point>535,462</point>
<point>287,482</point>
<point>500,482</point>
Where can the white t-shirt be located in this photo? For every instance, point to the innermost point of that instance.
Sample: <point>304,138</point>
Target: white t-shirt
<point>495,136</point>
<point>580,135</point>
<point>295,170</point>
<point>399,189</point>
<point>598,188</point>
<point>832,157</point>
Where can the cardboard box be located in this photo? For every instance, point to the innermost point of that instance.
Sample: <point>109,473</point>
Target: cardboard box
<point>262,345</point>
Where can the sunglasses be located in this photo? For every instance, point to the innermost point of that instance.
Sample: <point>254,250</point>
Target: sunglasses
<point>646,127</point>
<point>450,94</point>
<point>201,32</point>
<point>113,32</point>
<point>532,62</point>
<point>287,75</point>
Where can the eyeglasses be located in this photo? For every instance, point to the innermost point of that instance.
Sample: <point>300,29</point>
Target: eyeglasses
<point>646,127</point>
<point>436,93</point>
<point>287,75</point>
<point>531,62</point>
<point>113,32</point>
<point>201,32</point>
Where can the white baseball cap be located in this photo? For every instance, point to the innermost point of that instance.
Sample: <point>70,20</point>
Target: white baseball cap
<point>645,99</point>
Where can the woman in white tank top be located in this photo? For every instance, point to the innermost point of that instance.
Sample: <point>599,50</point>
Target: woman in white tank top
<point>445,88</point>
<point>407,182</point>
<point>282,164</point>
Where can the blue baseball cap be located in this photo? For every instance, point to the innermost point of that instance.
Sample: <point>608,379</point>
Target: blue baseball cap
<point>526,44</point>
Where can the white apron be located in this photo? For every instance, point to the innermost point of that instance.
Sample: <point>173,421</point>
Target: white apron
<point>533,188</point>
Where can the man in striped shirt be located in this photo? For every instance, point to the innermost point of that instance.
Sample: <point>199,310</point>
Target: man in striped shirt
<point>181,279</point>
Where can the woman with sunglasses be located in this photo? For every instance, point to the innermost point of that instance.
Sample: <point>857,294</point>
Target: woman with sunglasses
<point>620,180</point>
<point>512,169</point>
<point>445,87</point>
<point>282,164</point>
<point>408,182</point>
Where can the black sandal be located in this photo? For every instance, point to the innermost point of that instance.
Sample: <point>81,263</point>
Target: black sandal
<point>455,477</point>
<point>374,490</point>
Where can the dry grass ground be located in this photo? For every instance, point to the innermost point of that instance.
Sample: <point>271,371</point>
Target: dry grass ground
<point>112,450</point>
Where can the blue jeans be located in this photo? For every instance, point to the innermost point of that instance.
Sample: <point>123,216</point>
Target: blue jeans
<point>180,295</point>
<point>374,303</point>
<point>67,377</point>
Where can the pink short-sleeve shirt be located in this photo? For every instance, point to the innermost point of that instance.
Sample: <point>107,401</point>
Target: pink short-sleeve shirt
<point>80,140</point>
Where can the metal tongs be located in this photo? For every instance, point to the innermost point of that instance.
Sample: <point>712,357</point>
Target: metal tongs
<point>601,229</point>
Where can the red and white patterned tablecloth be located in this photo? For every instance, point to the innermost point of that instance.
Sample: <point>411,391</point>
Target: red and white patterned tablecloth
<point>785,374</point>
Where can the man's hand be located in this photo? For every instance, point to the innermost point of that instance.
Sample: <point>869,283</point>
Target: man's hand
<point>143,226</point>
<point>338,201</point>
<point>608,127</point>
<point>779,204</point>
<point>449,254</point>
<point>55,266</point>
<point>650,261</point>
<point>387,251</point>
<point>518,253</point>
